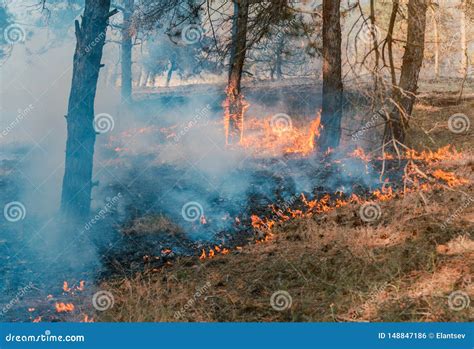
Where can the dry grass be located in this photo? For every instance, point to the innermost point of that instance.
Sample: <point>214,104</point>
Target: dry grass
<point>430,127</point>
<point>335,267</point>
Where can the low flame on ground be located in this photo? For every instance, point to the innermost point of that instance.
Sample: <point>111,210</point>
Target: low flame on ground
<point>86,318</point>
<point>264,139</point>
<point>64,307</point>
<point>68,289</point>
<point>450,178</point>
<point>213,252</point>
<point>413,176</point>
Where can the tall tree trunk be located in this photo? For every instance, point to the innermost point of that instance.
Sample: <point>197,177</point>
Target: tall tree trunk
<point>143,77</point>
<point>391,26</point>
<point>332,76</point>
<point>464,53</point>
<point>375,46</point>
<point>279,58</point>
<point>150,80</point>
<point>90,36</point>
<point>405,94</point>
<point>170,73</point>
<point>235,105</point>
<point>436,42</point>
<point>126,88</point>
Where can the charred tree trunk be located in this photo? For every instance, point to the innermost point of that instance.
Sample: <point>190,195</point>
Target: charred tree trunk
<point>279,57</point>
<point>90,36</point>
<point>332,76</point>
<point>391,26</point>
<point>126,88</point>
<point>404,94</point>
<point>234,106</point>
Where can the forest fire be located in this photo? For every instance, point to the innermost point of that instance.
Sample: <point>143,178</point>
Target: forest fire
<point>263,137</point>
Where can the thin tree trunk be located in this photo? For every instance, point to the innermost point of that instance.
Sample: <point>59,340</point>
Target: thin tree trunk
<point>464,49</point>
<point>375,44</point>
<point>150,80</point>
<point>234,105</point>
<point>126,88</point>
<point>436,42</point>
<point>464,54</point>
<point>170,74</point>
<point>391,26</point>
<point>332,76</point>
<point>90,36</point>
<point>279,58</point>
<point>405,94</point>
<point>143,77</point>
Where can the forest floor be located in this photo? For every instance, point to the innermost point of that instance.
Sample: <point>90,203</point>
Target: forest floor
<point>403,268</point>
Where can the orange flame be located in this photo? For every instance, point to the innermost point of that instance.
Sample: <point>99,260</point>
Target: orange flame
<point>66,287</point>
<point>450,178</point>
<point>64,307</point>
<point>263,138</point>
<point>87,319</point>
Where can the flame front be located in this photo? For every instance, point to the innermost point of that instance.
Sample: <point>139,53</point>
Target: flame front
<point>263,139</point>
<point>64,307</point>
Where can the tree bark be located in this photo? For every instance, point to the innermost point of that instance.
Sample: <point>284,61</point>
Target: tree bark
<point>332,76</point>
<point>464,53</point>
<point>391,26</point>
<point>90,36</point>
<point>436,43</point>
<point>235,105</point>
<point>404,94</point>
<point>375,46</point>
<point>143,77</point>
<point>279,58</point>
<point>126,88</point>
<point>170,73</point>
